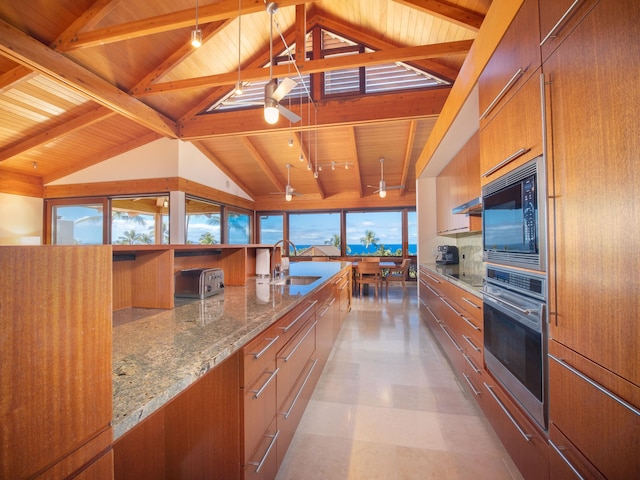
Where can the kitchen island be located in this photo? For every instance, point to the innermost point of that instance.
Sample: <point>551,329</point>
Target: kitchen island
<point>157,353</point>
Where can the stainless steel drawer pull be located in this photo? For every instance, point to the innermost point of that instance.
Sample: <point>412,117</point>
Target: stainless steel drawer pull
<point>470,362</point>
<point>288,327</point>
<point>432,278</point>
<point>565,459</point>
<point>473,345</point>
<point>596,385</point>
<point>552,32</point>
<point>509,159</point>
<point>473,389</point>
<point>433,291</point>
<point>257,393</point>
<point>326,309</point>
<point>458,347</point>
<point>272,341</point>
<point>471,324</point>
<point>450,306</point>
<point>502,92</point>
<point>471,303</point>
<point>266,454</point>
<point>526,436</point>
<point>288,357</point>
<point>306,379</point>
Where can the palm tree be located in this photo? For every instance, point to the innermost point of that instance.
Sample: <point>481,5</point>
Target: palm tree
<point>335,240</point>
<point>369,239</point>
<point>129,237</point>
<point>207,238</point>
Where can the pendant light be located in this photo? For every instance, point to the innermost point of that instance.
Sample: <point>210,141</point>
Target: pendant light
<point>196,35</point>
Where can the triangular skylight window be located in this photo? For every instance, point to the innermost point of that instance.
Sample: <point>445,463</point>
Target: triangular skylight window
<point>352,81</point>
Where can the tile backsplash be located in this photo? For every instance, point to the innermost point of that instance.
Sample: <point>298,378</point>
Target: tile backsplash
<point>470,253</point>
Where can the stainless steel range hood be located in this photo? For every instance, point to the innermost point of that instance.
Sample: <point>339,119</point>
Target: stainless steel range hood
<point>473,207</point>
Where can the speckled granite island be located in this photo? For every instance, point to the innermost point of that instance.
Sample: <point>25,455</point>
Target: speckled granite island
<point>158,353</point>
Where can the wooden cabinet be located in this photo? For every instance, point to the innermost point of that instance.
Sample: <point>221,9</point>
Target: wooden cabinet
<point>594,424</point>
<point>512,64</point>
<point>342,291</point>
<point>558,18</point>
<point>514,135</point>
<point>458,183</point>
<point>196,433</point>
<point>55,361</point>
<point>592,127</point>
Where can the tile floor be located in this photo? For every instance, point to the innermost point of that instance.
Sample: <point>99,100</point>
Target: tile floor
<point>388,406</point>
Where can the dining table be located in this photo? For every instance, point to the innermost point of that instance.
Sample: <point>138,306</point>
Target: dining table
<point>383,265</point>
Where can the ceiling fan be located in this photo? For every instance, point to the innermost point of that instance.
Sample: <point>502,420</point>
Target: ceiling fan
<point>274,92</point>
<point>382,186</point>
<point>289,191</point>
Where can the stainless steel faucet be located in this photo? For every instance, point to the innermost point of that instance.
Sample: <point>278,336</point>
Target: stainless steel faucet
<point>277,270</point>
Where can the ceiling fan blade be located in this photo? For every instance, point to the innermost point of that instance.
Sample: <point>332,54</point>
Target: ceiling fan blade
<point>395,187</point>
<point>288,114</point>
<point>284,87</point>
<point>231,102</point>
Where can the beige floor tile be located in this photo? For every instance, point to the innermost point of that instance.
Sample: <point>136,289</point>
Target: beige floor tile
<point>389,406</point>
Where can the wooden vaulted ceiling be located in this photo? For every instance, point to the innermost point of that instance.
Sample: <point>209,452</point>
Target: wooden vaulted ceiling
<point>84,80</point>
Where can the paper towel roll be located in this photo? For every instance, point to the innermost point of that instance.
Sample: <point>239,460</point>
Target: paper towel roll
<point>263,262</point>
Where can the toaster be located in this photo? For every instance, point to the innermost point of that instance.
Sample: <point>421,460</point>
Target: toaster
<point>199,282</point>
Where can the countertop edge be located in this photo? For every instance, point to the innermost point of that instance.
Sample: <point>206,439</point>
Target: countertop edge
<point>476,291</point>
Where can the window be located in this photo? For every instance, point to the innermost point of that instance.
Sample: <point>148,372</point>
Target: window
<point>271,228</point>
<point>315,234</point>
<point>412,233</point>
<point>76,222</point>
<point>140,220</point>
<point>377,233</point>
<point>202,220</point>
<point>238,227</point>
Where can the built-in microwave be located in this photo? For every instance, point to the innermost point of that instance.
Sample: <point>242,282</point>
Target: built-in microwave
<point>514,218</point>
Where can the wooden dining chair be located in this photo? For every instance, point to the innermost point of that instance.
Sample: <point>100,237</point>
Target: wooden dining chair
<point>369,273</point>
<point>398,274</point>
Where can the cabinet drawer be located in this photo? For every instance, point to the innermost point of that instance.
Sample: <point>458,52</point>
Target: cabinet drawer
<point>258,353</point>
<point>566,461</point>
<point>514,135</point>
<point>293,358</point>
<point>558,18</point>
<point>291,323</point>
<point>259,401</point>
<point>597,411</point>
<point>263,463</point>
<point>526,445</point>
<point>294,405</point>
<point>513,62</point>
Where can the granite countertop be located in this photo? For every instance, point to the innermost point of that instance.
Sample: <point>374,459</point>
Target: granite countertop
<point>158,353</point>
<point>470,281</point>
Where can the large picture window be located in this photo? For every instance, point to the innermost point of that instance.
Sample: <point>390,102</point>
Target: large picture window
<point>374,233</point>
<point>238,227</point>
<point>140,220</point>
<point>202,222</point>
<point>271,228</point>
<point>77,222</point>
<point>315,234</point>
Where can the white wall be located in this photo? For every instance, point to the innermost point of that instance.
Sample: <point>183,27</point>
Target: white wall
<point>162,158</point>
<point>428,238</point>
<point>20,217</point>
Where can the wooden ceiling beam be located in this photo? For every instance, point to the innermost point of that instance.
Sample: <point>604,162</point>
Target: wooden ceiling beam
<point>25,50</point>
<point>351,111</point>
<point>13,77</point>
<point>221,10</point>
<point>53,133</point>
<point>89,19</point>
<point>317,66</point>
<point>208,31</point>
<point>263,164</point>
<point>406,161</point>
<point>447,11</point>
<point>373,40</point>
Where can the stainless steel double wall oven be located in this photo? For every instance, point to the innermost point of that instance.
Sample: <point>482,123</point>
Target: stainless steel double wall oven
<point>515,287</point>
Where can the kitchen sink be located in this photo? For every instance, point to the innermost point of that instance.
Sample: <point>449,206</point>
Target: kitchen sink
<point>295,280</point>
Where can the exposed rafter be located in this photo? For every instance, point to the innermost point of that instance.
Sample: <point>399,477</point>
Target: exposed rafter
<point>406,161</point>
<point>221,10</point>
<point>379,57</point>
<point>366,109</point>
<point>28,52</point>
<point>447,11</point>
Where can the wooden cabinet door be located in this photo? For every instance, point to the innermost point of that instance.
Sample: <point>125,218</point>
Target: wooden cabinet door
<point>558,18</point>
<point>514,61</point>
<point>593,118</point>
